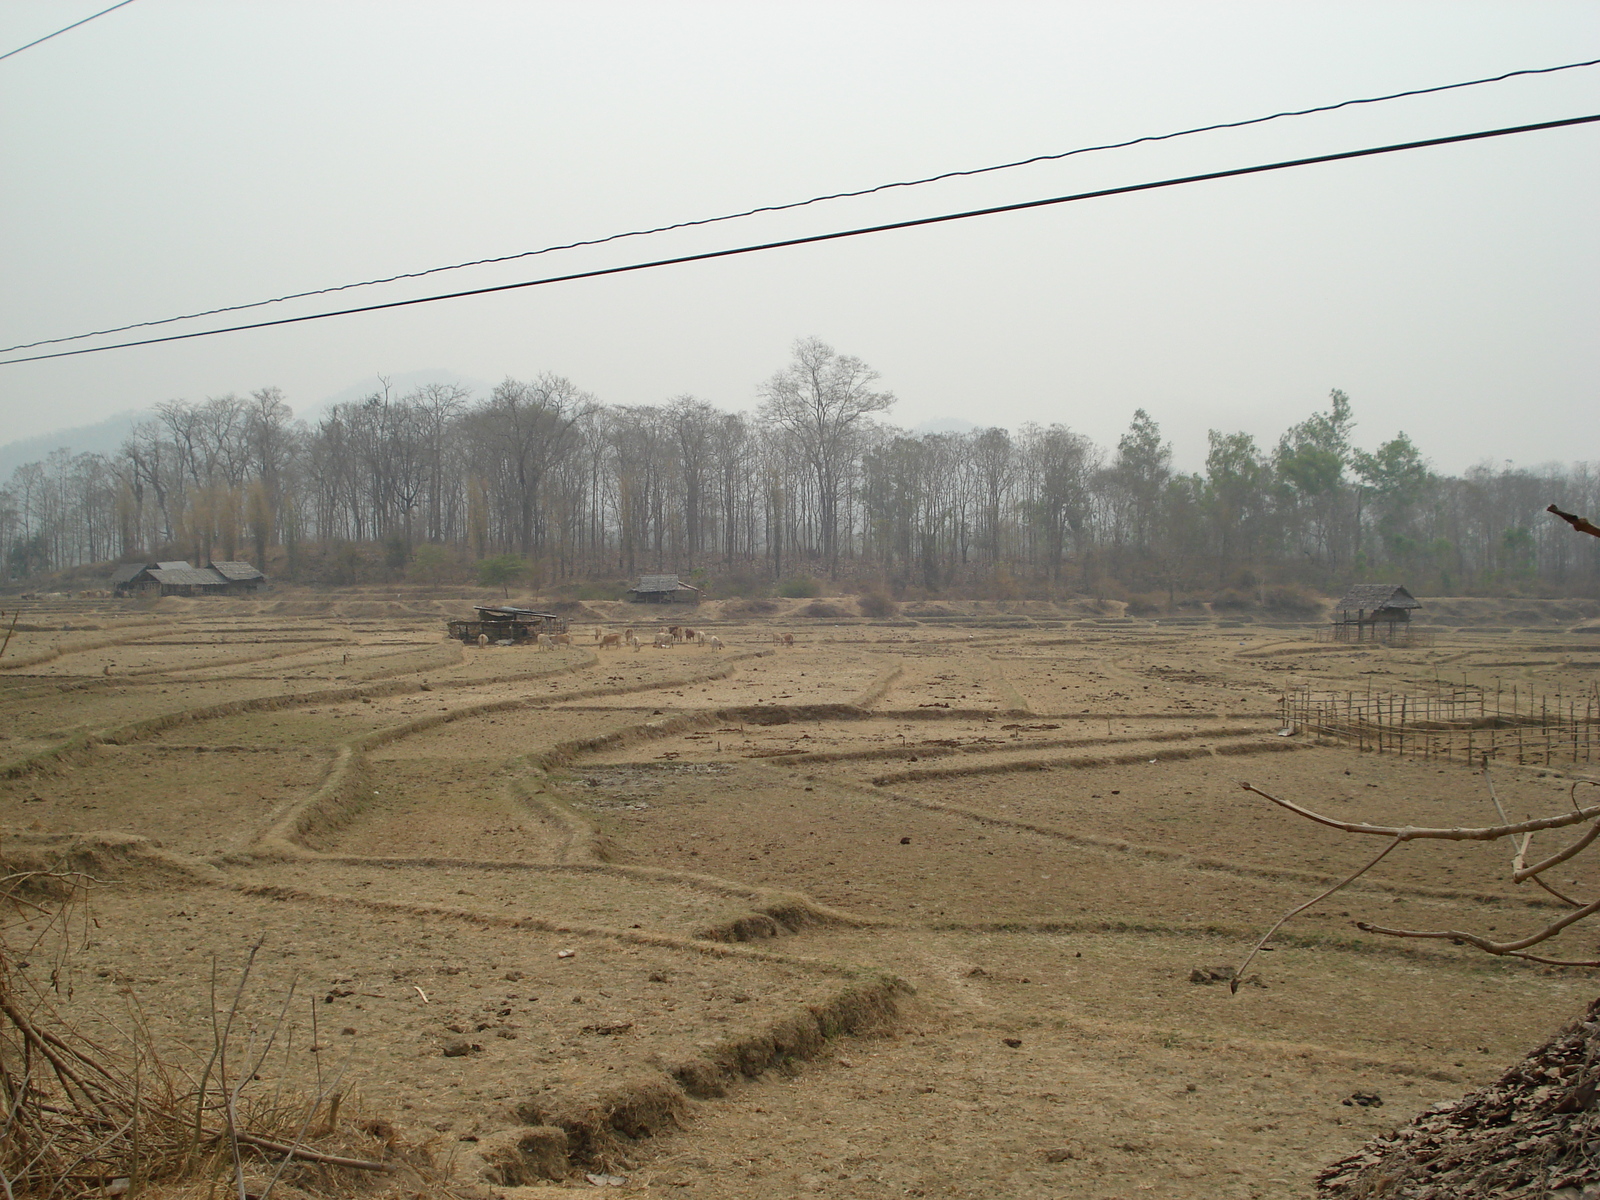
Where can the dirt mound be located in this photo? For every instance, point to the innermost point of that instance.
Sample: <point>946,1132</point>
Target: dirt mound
<point>1473,611</point>
<point>1524,1135</point>
<point>758,607</point>
<point>122,858</point>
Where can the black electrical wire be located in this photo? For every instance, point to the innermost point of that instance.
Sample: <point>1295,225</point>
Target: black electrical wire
<point>811,239</point>
<point>64,29</point>
<point>773,208</point>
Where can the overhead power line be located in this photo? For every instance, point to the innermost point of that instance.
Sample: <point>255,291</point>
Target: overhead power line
<point>790,206</point>
<point>64,29</point>
<point>837,235</point>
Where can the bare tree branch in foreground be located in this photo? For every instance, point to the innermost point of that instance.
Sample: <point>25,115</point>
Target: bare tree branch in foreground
<point>1577,522</point>
<point>1523,831</point>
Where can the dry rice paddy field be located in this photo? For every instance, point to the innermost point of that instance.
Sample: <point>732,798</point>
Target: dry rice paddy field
<point>910,907</point>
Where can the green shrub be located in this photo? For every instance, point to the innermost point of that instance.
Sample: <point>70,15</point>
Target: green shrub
<point>501,571</point>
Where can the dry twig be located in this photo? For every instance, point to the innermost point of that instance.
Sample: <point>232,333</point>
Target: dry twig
<point>1523,831</point>
<point>76,1115</point>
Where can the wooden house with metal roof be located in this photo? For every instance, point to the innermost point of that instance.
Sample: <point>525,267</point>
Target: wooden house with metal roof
<point>663,589</point>
<point>179,578</point>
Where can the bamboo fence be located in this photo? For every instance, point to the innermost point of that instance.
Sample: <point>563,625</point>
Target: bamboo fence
<point>1454,721</point>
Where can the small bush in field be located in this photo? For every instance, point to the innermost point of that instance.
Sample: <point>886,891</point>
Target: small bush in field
<point>876,604</point>
<point>1230,600</point>
<point>821,608</point>
<point>800,588</point>
<point>1293,600</point>
<point>1144,604</point>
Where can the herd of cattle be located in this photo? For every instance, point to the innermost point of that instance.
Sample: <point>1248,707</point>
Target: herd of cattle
<point>664,638</point>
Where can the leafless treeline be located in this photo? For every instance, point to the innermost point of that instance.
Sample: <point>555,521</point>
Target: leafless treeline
<point>812,481</point>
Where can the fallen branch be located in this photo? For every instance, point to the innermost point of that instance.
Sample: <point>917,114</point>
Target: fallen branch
<point>306,1152</point>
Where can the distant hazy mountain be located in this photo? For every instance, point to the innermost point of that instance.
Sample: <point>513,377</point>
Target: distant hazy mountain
<point>103,437</point>
<point>944,425</point>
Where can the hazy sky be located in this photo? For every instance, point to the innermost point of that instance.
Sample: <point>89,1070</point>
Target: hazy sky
<point>177,155</point>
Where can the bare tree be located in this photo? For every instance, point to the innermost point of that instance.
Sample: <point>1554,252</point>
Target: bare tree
<point>821,399</point>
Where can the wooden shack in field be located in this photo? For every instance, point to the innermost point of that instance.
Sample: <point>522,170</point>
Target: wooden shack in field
<point>505,624</point>
<point>663,589</point>
<point>179,578</point>
<point>1373,612</point>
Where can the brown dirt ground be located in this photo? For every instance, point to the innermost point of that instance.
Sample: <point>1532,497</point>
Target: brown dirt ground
<point>761,921</point>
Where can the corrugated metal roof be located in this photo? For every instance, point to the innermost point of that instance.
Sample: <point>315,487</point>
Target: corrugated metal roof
<point>181,564</point>
<point>508,612</point>
<point>1370,597</point>
<point>240,571</point>
<point>657,583</point>
<point>189,577</point>
<point>126,572</point>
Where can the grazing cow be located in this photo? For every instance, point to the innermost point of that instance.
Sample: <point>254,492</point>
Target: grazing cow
<point>664,641</point>
<point>611,641</point>
<point>675,632</point>
<point>689,635</point>
<point>631,639</point>
<point>542,641</point>
<point>788,639</point>
<point>483,640</point>
<point>714,642</point>
<point>561,639</point>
